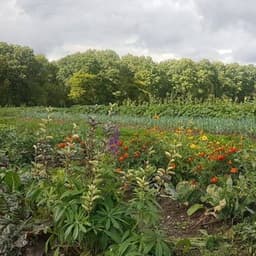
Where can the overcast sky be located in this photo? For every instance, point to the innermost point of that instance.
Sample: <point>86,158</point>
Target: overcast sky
<point>214,29</point>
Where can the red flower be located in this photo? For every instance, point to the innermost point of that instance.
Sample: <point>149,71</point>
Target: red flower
<point>120,143</point>
<point>220,157</point>
<point>214,180</point>
<point>125,155</point>
<point>234,170</point>
<point>62,145</point>
<point>121,159</point>
<point>125,148</point>
<point>232,150</point>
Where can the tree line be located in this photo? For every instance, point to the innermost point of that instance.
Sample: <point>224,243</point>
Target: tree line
<point>102,76</point>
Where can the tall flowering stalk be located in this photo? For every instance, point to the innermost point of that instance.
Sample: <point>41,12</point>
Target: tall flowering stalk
<point>113,142</point>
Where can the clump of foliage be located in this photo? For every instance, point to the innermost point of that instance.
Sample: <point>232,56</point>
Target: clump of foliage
<point>15,215</point>
<point>87,205</point>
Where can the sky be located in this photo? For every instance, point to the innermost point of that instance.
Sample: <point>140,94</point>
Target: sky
<point>214,29</point>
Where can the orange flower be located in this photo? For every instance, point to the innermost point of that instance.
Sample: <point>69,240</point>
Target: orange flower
<point>62,145</point>
<point>219,149</point>
<point>125,148</point>
<point>125,155</point>
<point>172,166</point>
<point>220,157</point>
<point>214,180</point>
<point>120,143</point>
<point>232,150</point>
<point>201,154</point>
<point>234,170</point>
<point>121,159</point>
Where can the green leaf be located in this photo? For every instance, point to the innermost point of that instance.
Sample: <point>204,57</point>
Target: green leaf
<point>229,182</point>
<point>148,247</point>
<point>57,252</point>
<point>114,235</point>
<point>82,228</point>
<point>68,231</point>
<point>116,225</point>
<point>159,250</point>
<point>76,231</point>
<point>59,213</point>
<point>12,180</point>
<point>184,245</point>
<point>194,208</point>
<point>71,194</point>
<point>108,223</point>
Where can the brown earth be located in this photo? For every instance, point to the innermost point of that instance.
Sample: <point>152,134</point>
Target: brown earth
<point>177,224</point>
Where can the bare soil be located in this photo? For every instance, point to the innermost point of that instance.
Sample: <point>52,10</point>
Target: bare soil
<point>177,224</point>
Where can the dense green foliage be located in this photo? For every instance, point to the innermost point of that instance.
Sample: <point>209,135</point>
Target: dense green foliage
<point>207,109</point>
<point>101,77</point>
<point>28,79</point>
<point>85,190</point>
<point>211,116</point>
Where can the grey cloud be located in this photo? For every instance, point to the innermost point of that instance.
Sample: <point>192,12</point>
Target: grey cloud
<point>213,29</point>
<point>220,14</point>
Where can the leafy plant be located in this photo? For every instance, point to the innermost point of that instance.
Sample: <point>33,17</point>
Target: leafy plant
<point>15,221</point>
<point>148,243</point>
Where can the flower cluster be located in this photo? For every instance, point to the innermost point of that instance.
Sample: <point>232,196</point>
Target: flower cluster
<point>69,141</point>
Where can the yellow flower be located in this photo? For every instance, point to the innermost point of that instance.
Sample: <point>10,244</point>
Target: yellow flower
<point>193,146</point>
<point>204,138</point>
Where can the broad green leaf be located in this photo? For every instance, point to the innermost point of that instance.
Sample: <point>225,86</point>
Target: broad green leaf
<point>194,208</point>
<point>76,231</point>
<point>114,235</point>
<point>68,231</point>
